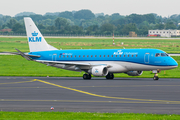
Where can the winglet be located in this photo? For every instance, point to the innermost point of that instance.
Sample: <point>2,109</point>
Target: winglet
<point>35,39</point>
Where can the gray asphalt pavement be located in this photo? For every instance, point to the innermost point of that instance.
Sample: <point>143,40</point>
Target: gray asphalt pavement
<point>129,95</point>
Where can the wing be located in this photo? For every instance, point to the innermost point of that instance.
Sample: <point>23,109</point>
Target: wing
<point>76,65</point>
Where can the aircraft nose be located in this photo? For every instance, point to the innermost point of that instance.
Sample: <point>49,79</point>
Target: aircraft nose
<point>172,62</point>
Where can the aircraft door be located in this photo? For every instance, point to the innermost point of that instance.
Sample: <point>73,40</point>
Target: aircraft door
<point>54,57</point>
<point>146,58</point>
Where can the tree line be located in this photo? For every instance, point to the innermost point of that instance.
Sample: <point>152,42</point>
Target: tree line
<point>86,22</point>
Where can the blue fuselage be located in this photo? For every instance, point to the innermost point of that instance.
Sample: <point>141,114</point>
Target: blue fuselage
<point>139,56</point>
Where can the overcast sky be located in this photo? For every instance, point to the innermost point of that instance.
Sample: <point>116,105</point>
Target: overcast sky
<point>123,7</point>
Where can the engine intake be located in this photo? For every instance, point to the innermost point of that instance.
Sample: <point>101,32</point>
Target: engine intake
<point>134,73</point>
<point>99,71</point>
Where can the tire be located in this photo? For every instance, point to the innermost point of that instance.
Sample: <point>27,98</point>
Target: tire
<point>156,78</point>
<point>110,76</point>
<point>89,76</point>
<point>107,76</point>
<point>85,76</point>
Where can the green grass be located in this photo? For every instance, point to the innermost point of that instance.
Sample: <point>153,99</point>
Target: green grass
<point>14,65</point>
<point>168,45</point>
<point>83,116</point>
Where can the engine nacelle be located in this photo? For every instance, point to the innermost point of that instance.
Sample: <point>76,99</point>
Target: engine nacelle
<point>99,71</point>
<point>134,73</point>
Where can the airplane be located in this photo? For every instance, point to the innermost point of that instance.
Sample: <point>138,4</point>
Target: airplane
<point>96,62</point>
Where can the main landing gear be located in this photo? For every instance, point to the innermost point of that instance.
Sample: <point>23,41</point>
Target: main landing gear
<point>87,76</point>
<point>110,76</point>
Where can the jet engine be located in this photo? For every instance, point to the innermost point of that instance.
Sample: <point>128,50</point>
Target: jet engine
<point>134,73</point>
<point>99,71</point>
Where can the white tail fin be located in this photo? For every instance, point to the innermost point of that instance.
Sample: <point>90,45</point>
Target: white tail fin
<point>35,39</point>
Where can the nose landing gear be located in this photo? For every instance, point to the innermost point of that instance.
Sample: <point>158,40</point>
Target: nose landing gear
<point>155,74</point>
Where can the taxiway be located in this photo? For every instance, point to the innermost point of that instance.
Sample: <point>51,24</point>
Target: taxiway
<point>124,95</point>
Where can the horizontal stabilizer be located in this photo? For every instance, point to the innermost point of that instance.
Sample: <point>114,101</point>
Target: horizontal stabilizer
<point>18,53</point>
<point>11,53</point>
<point>23,55</point>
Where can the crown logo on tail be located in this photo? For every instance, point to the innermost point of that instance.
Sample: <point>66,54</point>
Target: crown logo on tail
<point>34,34</point>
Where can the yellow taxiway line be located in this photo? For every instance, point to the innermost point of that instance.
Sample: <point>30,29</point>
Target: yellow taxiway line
<point>131,100</point>
<point>103,96</point>
<point>17,82</point>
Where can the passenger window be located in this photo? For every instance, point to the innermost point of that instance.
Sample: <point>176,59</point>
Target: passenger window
<point>116,55</point>
<point>132,55</point>
<point>79,56</point>
<point>99,55</point>
<point>67,56</point>
<point>75,56</point>
<point>128,55</point>
<point>136,55</point>
<point>111,55</point>
<point>104,55</point>
<point>108,56</point>
<point>95,55</point>
<point>87,55</point>
<point>157,55</point>
<point>91,55</point>
<point>119,55</point>
<point>59,56</point>
<point>63,56</point>
<point>83,55</point>
<point>124,55</point>
<point>71,56</point>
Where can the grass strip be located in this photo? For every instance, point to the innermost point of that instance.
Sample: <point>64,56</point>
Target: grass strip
<point>84,116</point>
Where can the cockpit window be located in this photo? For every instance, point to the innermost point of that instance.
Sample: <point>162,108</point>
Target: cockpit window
<point>164,54</point>
<point>157,54</point>
<point>161,54</point>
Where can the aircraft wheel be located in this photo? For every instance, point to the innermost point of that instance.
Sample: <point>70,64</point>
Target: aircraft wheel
<point>156,78</point>
<point>86,76</point>
<point>89,76</point>
<point>110,76</point>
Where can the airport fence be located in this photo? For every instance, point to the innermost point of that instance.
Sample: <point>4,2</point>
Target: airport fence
<point>70,35</point>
